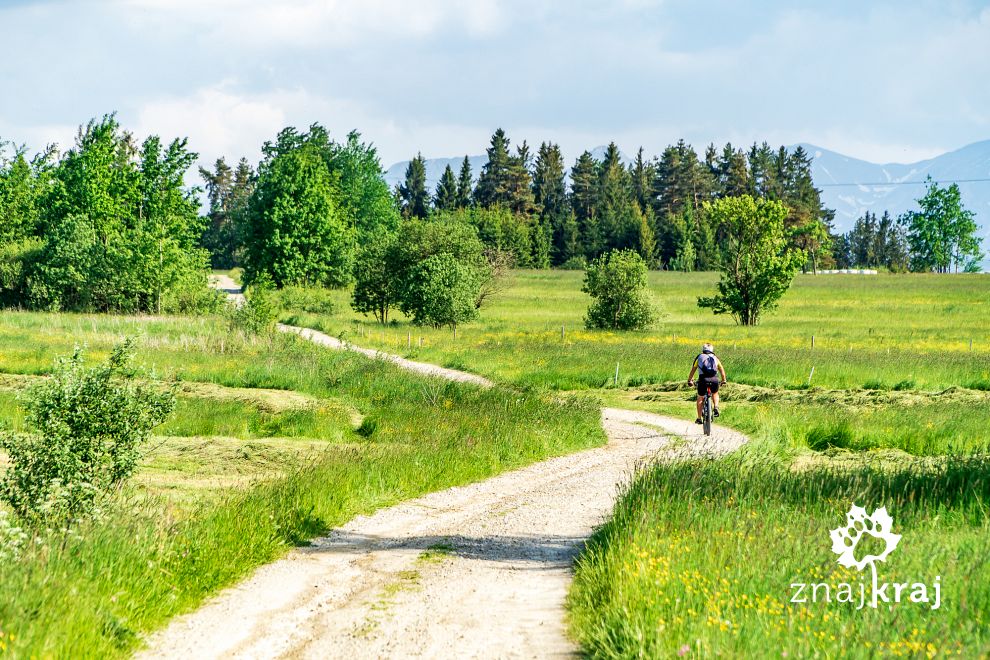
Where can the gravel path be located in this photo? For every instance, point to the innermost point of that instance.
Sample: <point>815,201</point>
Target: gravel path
<point>476,571</point>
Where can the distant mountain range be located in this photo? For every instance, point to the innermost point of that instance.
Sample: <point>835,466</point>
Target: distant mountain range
<point>849,185</point>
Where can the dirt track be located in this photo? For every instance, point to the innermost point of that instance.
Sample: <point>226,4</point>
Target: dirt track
<point>476,571</point>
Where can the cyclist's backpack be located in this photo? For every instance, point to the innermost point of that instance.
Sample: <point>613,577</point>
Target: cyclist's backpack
<point>707,365</point>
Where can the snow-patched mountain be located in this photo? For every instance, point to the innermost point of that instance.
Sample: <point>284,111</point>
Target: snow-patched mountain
<point>893,187</point>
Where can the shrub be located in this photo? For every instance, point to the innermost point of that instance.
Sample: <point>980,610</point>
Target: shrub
<point>312,300</point>
<point>443,291</point>
<point>16,261</point>
<point>88,426</point>
<point>258,313</point>
<point>574,263</point>
<point>616,281</point>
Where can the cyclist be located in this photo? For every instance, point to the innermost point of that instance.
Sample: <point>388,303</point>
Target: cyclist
<point>709,368</point>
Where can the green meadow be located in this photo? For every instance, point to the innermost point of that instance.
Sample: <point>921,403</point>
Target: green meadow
<point>273,442</point>
<point>890,366</point>
<point>884,331</point>
<point>873,390</point>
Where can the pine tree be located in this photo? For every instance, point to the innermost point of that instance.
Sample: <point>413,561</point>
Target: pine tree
<point>550,197</point>
<point>414,198</point>
<point>495,183</point>
<point>219,237</point>
<point>584,201</point>
<point>642,174</point>
<point>617,222</point>
<point>465,183</point>
<point>445,198</point>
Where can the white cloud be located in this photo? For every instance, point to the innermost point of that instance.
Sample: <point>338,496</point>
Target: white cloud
<point>224,121</point>
<point>261,24</point>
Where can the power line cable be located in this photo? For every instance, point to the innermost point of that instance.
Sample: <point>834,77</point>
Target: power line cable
<point>901,183</point>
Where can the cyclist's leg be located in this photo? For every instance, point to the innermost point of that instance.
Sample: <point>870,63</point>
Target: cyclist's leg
<point>700,400</point>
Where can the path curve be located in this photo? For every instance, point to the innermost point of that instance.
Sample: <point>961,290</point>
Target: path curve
<point>493,585</point>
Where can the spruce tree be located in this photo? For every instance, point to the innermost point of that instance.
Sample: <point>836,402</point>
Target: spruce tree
<point>495,183</point>
<point>520,191</point>
<point>414,198</point>
<point>550,197</point>
<point>584,201</point>
<point>549,188</point>
<point>617,222</point>
<point>642,174</point>
<point>445,198</point>
<point>733,173</point>
<point>465,183</point>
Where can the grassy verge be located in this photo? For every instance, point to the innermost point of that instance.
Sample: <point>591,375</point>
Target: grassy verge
<point>700,558</point>
<point>387,436</point>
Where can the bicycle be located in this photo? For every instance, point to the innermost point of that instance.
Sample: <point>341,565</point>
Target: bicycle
<point>706,411</point>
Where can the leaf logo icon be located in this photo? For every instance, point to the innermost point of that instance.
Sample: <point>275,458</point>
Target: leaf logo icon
<point>845,539</point>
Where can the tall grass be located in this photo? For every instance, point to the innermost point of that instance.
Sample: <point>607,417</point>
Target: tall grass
<point>700,558</point>
<point>95,594</point>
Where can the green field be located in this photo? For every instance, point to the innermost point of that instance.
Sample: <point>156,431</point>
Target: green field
<point>893,368</point>
<point>699,557</point>
<point>274,441</point>
<point>884,331</point>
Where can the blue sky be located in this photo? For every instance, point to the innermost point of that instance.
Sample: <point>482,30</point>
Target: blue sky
<point>883,81</point>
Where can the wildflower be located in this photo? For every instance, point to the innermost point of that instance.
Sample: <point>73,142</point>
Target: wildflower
<point>684,650</point>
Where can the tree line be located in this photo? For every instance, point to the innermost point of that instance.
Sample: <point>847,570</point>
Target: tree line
<point>111,224</point>
<point>547,215</point>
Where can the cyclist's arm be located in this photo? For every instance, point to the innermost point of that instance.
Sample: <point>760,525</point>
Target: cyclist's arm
<point>721,370</point>
<point>694,367</point>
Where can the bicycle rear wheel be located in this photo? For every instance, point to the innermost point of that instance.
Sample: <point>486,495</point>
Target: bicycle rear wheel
<point>706,414</point>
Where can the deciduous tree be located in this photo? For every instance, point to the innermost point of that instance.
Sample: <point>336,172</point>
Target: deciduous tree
<point>757,262</point>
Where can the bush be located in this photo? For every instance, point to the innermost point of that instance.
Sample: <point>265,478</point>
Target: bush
<point>258,313</point>
<point>617,283</point>
<point>437,273</point>
<point>16,261</point>
<point>574,263</point>
<point>312,300</point>
<point>88,428</point>
<point>443,291</point>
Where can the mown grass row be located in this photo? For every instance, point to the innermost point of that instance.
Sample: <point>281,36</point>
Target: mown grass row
<point>95,594</point>
<point>952,421</point>
<point>700,558</point>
